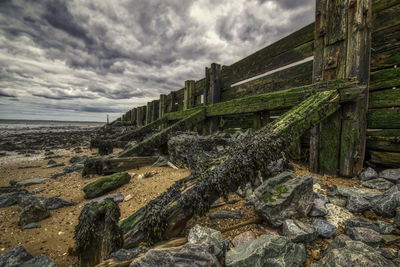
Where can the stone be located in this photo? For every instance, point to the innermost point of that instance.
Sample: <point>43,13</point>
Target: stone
<point>39,261</point>
<point>368,174</point>
<point>357,204</point>
<point>337,215</point>
<point>188,255</point>
<point>78,159</point>
<point>53,203</point>
<point>389,254</point>
<point>397,218</point>
<point>298,231</point>
<point>246,191</point>
<point>118,197</point>
<point>360,222</point>
<point>106,184</point>
<point>346,252</point>
<point>338,202</point>
<point>147,174</point>
<point>226,214</point>
<point>385,205</point>
<point>68,169</point>
<point>204,236</point>
<point>346,191</point>
<point>284,196</point>
<point>31,181</point>
<point>366,235</point>
<point>384,227</point>
<point>392,175</point>
<point>128,197</point>
<point>30,226</point>
<point>267,250</point>
<point>161,162</point>
<point>15,257</point>
<point>55,165</point>
<point>378,183</point>
<point>51,162</point>
<point>318,209</point>
<point>390,239</point>
<point>324,228</point>
<point>9,199</point>
<point>126,254</point>
<point>324,198</point>
<point>33,213</point>
<point>243,237</point>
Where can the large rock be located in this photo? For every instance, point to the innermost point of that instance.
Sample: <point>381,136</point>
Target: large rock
<point>267,250</point>
<point>319,208</point>
<point>284,196</point>
<point>106,184</point>
<point>33,213</point>
<point>118,197</point>
<point>298,231</point>
<point>126,254</point>
<point>385,205</point>
<point>397,218</point>
<point>39,261</point>
<point>53,203</point>
<point>31,181</point>
<point>243,237</point>
<point>337,215</point>
<point>346,191</point>
<point>199,235</point>
<point>15,257</point>
<point>365,235</point>
<point>392,175</point>
<point>346,252</point>
<point>356,203</point>
<point>226,214</point>
<point>324,228</point>
<point>368,174</point>
<point>378,183</point>
<point>189,255</point>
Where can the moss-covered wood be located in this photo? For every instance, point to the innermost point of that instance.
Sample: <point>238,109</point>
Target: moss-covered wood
<point>166,216</point>
<point>389,159</point>
<point>384,98</point>
<point>385,118</point>
<point>97,233</point>
<point>386,18</point>
<point>383,139</point>
<point>106,184</point>
<point>386,78</point>
<point>386,59</point>
<point>104,166</point>
<point>139,133</point>
<point>147,146</point>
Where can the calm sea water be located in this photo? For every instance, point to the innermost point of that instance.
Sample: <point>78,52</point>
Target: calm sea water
<point>13,127</point>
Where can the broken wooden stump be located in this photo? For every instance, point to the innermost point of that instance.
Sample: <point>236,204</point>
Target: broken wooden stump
<point>106,184</point>
<point>97,233</point>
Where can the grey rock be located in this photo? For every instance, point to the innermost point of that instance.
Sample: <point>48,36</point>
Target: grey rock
<point>243,237</point>
<point>368,174</point>
<point>318,209</point>
<point>346,191</point>
<point>324,228</point>
<point>246,191</point>
<point>366,235</point>
<point>392,175</point>
<point>30,226</point>
<point>161,162</point>
<point>31,181</point>
<point>204,236</point>
<point>55,165</point>
<point>15,257</point>
<point>356,203</point>
<point>26,200</point>
<point>298,232</point>
<point>267,250</point>
<point>384,227</point>
<point>378,183</point>
<point>51,162</point>
<point>360,222</point>
<point>188,255</point>
<point>226,214</point>
<point>9,199</point>
<point>325,199</point>
<point>53,203</point>
<point>78,159</point>
<point>346,252</point>
<point>118,197</point>
<point>338,202</point>
<point>397,218</point>
<point>385,205</point>
<point>68,169</point>
<point>33,213</point>
<point>284,196</point>
<point>390,239</point>
<point>389,254</point>
<point>126,254</point>
<point>337,215</point>
<point>39,261</point>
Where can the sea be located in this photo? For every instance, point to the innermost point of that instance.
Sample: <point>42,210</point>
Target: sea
<point>15,127</point>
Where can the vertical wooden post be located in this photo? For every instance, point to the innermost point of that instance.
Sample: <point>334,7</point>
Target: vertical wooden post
<point>163,106</point>
<point>134,116</point>
<point>171,102</point>
<point>139,117</point>
<point>206,90</point>
<point>148,112</point>
<point>144,113</point>
<point>215,82</point>
<point>342,44</point>
<point>188,98</point>
<point>154,113</point>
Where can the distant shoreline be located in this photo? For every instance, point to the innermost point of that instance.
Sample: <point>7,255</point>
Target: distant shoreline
<point>22,121</point>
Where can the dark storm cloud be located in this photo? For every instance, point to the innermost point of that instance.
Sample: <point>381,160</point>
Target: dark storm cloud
<point>123,53</point>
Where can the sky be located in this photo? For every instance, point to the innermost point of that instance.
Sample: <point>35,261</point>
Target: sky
<point>80,60</point>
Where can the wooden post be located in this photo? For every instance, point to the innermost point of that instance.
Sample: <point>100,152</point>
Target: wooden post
<point>163,106</point>
<point>342,50</point>
<point>139,117</point>
<point>154,112</point>
<point>148,112</point>
<point>171,102</point>
<point>134,116</point>
<point>206,90</point>
<point>143,115</point>
<point>188,98</point>
<point>214,97</point>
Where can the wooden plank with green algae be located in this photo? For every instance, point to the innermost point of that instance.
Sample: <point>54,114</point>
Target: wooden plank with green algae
<point>385,118</point>
<point>390,159</point>
<point>384,98</point>
<point>386,78</point>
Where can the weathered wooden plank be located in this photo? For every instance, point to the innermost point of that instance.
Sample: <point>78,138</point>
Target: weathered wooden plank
<point>383,139</point>
<point>386,59</point>
<point>387,39</point>
<point>385,118</point>
<point>162,106</point>
<point>384,98</point>
<point>386,78</point>
<point>379,5</point>
<point>390,159</point>
<point>386,18</point>
<point>329,142</point>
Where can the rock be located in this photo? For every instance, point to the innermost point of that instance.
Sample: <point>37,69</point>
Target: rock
<point>126,254</point>
<point>284,196</point>
<point>318,209</point>
<point>55,165</point>
<point>97,233</point>
<point>378,183</point>
<point>324,228</point>
<point>338,202</point>
<point>357,204</point>
<point>9,199</point>
<point>392,175</point>
<point>389,254</point>
<point>161,162</point>
<point>39,261</point>
<point>127,198</point>
<point>397,218</point>
<point>106,184</point>
<point>68,169</point>
<point>118,197</point>
<point>246,191</point>
<point>384,227</point>
<point>147,174</point>
<point>366,235</point>
<point>30,226</point>
<point>346,252</point>
<point>368,174</point>
<point>226,214</point>
<point>243,237</point>
<point>324,198</point>
<point>31,181</point>
<point>53,203</point>
<point>337,215</point>
<point>346,191</point>
<point>15,257</point>
<point>33,213</point>
<point>210,238</point>
<point>391,239</point>
<point>317,188</point>
<point>51,162</point>
<point>385,205</point>
<point>298,232</point>
<point>267,250</point>
<point>360,222</point>
<point>78,159</point>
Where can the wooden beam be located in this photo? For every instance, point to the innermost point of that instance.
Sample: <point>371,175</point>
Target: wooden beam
<point>390,159</point>
<point>385,118</point>
<point>383,139</point>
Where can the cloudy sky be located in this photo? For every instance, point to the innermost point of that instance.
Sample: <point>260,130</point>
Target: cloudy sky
<point>83,59</point>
